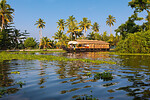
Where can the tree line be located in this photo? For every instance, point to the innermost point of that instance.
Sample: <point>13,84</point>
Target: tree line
<point>129,37</point>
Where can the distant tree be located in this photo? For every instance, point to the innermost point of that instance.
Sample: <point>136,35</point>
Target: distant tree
<point>18,37</point>
<point>61,24</point>
<point>110,21</point>
<point>84,25</point>
<point>138,42</point>
<point>94,36</point>
<point>63,41</point>
<point>4,40</point>
<point>5,14</point>
<point>40,24</point>
<point>30,42</point>
<point>91,36</point>
<point>111,39</point>
<point>129,27</point>
<point>104,36</point>
<point>141,5</point>
<point>72,26</point>
<point>95,27</point>
<point>45,43</point>
<point>58,35</point>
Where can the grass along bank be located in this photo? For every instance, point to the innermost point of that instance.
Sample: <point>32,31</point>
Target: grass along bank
<point>10,56</point>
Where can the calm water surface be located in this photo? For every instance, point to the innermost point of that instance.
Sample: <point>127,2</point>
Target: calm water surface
<point>46,80</point>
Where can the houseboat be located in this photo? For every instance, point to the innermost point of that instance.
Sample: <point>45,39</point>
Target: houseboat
<point>87,46</point>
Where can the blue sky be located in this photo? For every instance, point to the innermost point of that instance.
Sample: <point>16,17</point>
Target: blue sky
<point>27,12</point>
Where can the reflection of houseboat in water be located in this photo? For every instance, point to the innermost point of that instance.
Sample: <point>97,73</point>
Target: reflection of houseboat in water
<point>87,45</point>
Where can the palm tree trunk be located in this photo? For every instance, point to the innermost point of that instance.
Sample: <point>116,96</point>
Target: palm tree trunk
<point>2,23</point>
<point>85,33</point>
<point>40,37</point>
<point>71,36</point>
<point>110,30</point>
<point>75,35</point>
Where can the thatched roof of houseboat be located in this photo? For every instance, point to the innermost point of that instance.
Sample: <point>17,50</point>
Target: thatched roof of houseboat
<point>91,42</point>
<point>88,42</point>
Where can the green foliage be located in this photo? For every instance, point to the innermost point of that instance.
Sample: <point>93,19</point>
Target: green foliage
<point>94,36</point>
<point>30,42</point>
<point>111,39</point>
<point>5,14</point>
<point>15,72</point>
<point>135,43</point>
<point>58,35</point>
<point>10,56</point>
<point>88,74</point>
<point>61,24</point>
<point>129,26</point>
<point>20,83</point>
<point>95,27</point>
<point>110,20</point>
<point>46,43</point>
<point>141,5</point>
<point>104,36</point>
<point>87,98</point>
<point>40,23</point>
<point>5,41</point>
<point>105,76</point>
<point>72,26</point>
<point>2,92</point>
<point>85,24</point>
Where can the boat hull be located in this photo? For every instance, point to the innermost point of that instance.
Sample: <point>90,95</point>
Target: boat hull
<point>85,49</point>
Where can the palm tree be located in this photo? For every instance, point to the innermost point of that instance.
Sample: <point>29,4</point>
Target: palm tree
<point>45,42</point>
<point>84,25</point>
<point>95,27</point>
<point>72,26</point>
<point>41,25</point>
<point>110,21</point>
<point>58,35</point>
<point>5,13</point>
<point>63,41</point>
<point>61,24</point>
<point>91,36</point>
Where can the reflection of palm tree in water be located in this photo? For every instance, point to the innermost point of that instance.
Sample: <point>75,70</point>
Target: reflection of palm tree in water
<point>5,80</point>
<point>42,73</point>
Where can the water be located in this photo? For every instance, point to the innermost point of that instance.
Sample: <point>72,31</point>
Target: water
<point>45,80</point>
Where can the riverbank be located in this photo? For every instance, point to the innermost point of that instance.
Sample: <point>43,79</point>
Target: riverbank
<point>117,53</point>
<point>34,50</point>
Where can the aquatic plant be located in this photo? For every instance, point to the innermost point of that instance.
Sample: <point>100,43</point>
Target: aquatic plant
<point>15,72</point>
<point>10,56</point>
<point>39,51</point>
<point>87,97</point>
<point>105,76</point>
<point>20,83</point>
<point>2,92</point>
<point>88,74</point>
<point>125,54</point>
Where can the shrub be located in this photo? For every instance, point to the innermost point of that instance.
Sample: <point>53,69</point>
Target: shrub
<point>30,42</point>
<point>135,43</point>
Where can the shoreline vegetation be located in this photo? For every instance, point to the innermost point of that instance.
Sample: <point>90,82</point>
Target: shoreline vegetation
<point>34,50</point>
<point>125,54</point>
<point>11,56</point>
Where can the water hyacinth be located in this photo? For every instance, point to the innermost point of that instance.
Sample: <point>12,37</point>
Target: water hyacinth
<point>10,56</point>
<point>105,76</point>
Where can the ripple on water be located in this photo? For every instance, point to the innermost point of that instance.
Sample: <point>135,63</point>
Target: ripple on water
<point>70,80</point>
